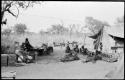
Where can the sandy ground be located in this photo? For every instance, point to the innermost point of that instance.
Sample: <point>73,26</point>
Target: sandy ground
<point>49,67</point>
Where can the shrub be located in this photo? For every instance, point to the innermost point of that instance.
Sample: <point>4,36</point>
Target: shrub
<point>20,28</point>
<point>7,32</point>
<point>7,45</point>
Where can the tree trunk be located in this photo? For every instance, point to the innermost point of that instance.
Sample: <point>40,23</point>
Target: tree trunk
<point>2,16</point>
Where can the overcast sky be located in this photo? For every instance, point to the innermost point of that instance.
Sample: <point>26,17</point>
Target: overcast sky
<point>43,16</point>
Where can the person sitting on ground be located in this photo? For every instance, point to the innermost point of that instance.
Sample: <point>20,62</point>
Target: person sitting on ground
<point>90,57</point>
<point>67,49</point>
<point>75,52</point>
<point>86,52</point>
<point>72,56</point>
<point>82,49</point>
<point>101,46</point>
<point>28,45</point>
<point>98,55</point>
<point>44,46</point>
<point>76,49</point>
<point>97,52</point>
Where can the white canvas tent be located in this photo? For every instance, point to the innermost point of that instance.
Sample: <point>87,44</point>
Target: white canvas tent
<point>116,30</point>
<point>108,42</point>
<point>118,71</point>
<point>105,38</point>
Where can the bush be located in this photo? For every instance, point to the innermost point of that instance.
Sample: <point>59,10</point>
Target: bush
<point>20,28</point>
<point>7,32</point>
<point>6,49</point>
<point>7,45</point>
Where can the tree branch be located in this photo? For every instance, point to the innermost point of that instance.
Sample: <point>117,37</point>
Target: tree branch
<point>17,10</point>
<point>28,4</point>
<point>4,9</point>
<point>11,13</point>
<point>8,6</point>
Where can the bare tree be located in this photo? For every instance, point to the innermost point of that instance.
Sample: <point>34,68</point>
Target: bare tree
<point>41,32</point>
<point>120,20</point>
<point>7,5</point>
<point>58,29</point>
<point>76,29</point>
<point>94,25</point>
<point>70,29</point>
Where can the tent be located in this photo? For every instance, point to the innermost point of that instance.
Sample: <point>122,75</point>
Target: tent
<point>117,33</point>
<point>95,36</point>
<point>118,39</point>
<point>116,30</point>
<point>111,35</point>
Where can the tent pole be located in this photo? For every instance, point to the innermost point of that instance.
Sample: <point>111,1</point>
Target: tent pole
<point>84,38</point>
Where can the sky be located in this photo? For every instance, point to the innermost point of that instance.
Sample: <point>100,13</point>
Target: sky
<point>52,12</point>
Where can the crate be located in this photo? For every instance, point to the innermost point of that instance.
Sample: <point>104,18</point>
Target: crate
<point>4,59</point>
<point>11,59</point>
<point>8,59</point>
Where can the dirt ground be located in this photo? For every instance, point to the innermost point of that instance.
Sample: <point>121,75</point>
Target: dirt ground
<point>49,67</point>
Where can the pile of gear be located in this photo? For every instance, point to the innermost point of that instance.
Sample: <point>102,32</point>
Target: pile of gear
<point>44,50</point>
<point>24,52</point>
<point>27,53</point>
<point>97,55</point>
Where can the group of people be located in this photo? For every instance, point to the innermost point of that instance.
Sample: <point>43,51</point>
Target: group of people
<point>76,49</point>
<point>27,53</point>
<point>91,56</point>
<point>72,54</point>
<point>22,51</point>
